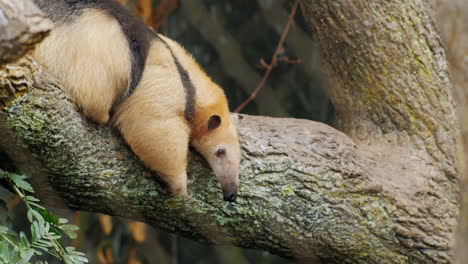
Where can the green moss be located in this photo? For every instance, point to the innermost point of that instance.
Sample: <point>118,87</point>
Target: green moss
<point>288,190</point>
<point>171,203</point>
<point>106,174</point>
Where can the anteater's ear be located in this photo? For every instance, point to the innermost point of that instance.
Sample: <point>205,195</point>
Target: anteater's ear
<point>214,122</point>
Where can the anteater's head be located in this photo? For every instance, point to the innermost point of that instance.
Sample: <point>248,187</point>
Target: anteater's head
<point>213,133</point>
<point>215,137</point>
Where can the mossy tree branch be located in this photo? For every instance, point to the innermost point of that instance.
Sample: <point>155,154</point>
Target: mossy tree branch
<point>307,190</point>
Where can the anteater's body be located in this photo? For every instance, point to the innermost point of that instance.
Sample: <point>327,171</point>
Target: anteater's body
<point>118,70</point>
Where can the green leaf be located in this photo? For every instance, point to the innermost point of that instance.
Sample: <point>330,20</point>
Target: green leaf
<point>79,259</point>
<point>52,236</point>
<point>32,198</point>
<point>53,253</point>
<point>55,230</point>
<point>69,230</point>
<point>49,216</point>
<point>38,217</point>
<point>36,205</point>
<point>70,234</point>
<point>70,249</point>
<point>24,240</point>
<point>29,215</point>
<point>69,227</point>
<point>77,253</point>
<point>3,230</point>
<point>36,235</point>
<point>4,251</point>
<point>46,231</point>
<point>26,255</point>
<point>19,180</point>
<point>39,246</point>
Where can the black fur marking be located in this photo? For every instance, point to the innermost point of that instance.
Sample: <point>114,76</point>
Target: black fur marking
<point>189,90</point>
<point>187,83</point>
<point>138,34</point>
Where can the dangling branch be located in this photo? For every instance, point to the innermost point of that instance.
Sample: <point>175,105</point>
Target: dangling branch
<point>274,60</point>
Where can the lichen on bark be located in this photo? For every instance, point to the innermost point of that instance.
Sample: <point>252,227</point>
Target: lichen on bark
<point>385,194</point>
<point>305,188</point>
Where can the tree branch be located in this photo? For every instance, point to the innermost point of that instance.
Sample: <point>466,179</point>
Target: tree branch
<point>307,190</point>
<point>230,52</point>
<point>274,59</point>
<point>389,84</point>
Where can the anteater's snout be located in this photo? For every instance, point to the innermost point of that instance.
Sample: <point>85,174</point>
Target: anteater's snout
<point>230,197</point>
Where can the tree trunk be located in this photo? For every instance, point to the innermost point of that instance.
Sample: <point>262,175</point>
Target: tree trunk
<point>389,84</point>
<point>22,26</point>
<point>453,22</point>
<point>385,194</point>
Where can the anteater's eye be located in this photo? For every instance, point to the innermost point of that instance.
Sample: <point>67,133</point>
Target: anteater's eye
<point>220,153</point>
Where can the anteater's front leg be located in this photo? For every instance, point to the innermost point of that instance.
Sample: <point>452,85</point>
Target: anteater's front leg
<point>162,144</point>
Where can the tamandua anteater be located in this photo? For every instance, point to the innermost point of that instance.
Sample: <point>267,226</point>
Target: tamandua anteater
<point>118,70</point>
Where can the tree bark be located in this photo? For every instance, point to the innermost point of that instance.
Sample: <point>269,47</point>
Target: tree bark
<point>390,86</point>
<point>452,18</point>
<point>22,26</point>
<point>384,193</point>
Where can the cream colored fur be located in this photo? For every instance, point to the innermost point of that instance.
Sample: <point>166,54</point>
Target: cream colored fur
<point>154,116</point>
<point>210,92</point>
<point>211,100</point>
<point>91,58</point>
<point>152,119</point>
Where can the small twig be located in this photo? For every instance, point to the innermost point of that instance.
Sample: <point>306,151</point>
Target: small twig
<point>274,59</point>
<point>287,60</point>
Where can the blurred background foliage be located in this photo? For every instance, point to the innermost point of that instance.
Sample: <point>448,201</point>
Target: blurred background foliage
<point>234,41</point>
